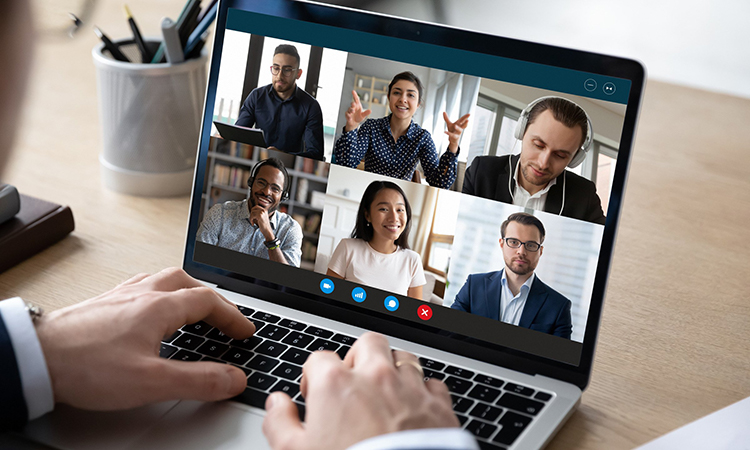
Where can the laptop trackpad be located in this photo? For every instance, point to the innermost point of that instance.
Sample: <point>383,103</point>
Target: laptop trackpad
<point>193,424</point>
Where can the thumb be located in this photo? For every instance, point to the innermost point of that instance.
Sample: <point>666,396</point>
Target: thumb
<point>282,427</point>
<point>205,381</point>
<point>366,113</point>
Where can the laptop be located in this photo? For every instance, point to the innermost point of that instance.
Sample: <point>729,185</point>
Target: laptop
<point>513,386</point>
<point>244,135</point>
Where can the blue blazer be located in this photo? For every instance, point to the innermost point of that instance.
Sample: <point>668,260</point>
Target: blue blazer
<point>13,410</point>
<point>546,310</point>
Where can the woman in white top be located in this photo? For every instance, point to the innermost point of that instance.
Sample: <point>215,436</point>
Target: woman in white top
<point>378,252</point>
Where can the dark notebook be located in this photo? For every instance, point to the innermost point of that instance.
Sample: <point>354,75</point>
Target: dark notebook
<point>37,225</point>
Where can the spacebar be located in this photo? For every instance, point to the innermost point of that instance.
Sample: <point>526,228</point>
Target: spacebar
<point>253,398</point>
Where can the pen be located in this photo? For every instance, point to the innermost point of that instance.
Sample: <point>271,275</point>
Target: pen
<point>113,49</point>
<point>145,54</point>
<point>159,56</point>
<point>206,10</point>
<point>187,22</point>
<point>172,41</point>
<point>195,36</point>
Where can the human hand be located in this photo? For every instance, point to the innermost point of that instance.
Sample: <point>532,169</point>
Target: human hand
<point>259,217</point>
<point>103,354</point>
<point>355,115</point>
<point>364,396</point>
<point>454,130</point>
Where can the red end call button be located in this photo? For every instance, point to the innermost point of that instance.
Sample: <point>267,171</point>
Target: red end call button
<point>424,312</point>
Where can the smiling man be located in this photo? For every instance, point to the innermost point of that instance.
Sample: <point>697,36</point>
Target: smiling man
<point>555,131</point>
<point>254,225</point>
<point>515,295</point>
<point>291,119</point>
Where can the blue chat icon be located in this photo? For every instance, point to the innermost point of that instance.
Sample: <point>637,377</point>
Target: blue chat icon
<point>391,303</point>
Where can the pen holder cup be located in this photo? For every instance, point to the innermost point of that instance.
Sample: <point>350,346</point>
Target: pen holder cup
<point>150,119</point>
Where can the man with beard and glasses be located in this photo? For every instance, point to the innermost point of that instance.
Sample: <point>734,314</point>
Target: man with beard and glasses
<point>254,226</point>
<point>515,295</point>
<point>291,119</point>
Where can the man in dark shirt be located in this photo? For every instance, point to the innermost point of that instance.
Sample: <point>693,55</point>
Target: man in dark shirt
<point>290,118</point>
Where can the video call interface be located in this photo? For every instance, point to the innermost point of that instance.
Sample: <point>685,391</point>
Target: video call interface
<point>467,203</point>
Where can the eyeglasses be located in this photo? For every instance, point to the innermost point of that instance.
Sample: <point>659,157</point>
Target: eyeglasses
<point>286,71</point>
<point>530,245</point>
<point>262,184</point>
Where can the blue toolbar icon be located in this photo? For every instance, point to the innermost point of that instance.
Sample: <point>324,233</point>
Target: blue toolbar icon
<point>359,295</point>
<point>326,286</point>
<point>391,303</point>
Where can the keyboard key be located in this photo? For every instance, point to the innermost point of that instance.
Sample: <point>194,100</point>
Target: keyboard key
<point>300,340</point>
<point>248,344</point>
<point>489,446</point>
<point>518,389</point>
<point>247,371</point>
<point>458,385</point>
<point>271,348</point>
<point>343,351</point>
<point>261,381</point>
<point>253,398</point>
<point>171,337</point>
<point>288,371</point>
<point>199,328</point>
<point>432,374</point>
<point>258,323</point>
<point>184,355</point>
<point>274,332</point>
<point>318,332</point>
<point>520,404</point>
<point>217,335</point>
<point>166,350</point>
<point>480,429</point>
<point>484,393</point>
<point>461,404</point>
<point>262,363</point>
<point>293,324</point>
<point>300,399</point>
<point>245,310</point>
<point>300,411</point>
<point>462,419</point>
<point>266,317</point>
<point>295,356</point>
<point>486,412</point>
<point>343,339</point>
<point>484,379</point>
<point>459,372</point>
<point>209,359</point>
<point>188,341</point>
<point>237,356</point>
<point>512,426</point>
<point>286,387</point>
<point>322,344</point>
<point>212,349</point>
<point>543,396</point>
<point>431,364</point>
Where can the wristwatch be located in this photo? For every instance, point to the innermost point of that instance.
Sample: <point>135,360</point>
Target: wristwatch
<point>272,244</point>
<point>35,312</point>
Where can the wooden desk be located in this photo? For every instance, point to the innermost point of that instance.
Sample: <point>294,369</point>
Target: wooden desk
<point>672,346</point>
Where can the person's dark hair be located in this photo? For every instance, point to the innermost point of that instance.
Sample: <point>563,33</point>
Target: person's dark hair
<point>272,162</point>
<point>287,49</point>
<point>408,76</point>
<point>564,111</point>
<point>361,228</point>
<point>523,219</point>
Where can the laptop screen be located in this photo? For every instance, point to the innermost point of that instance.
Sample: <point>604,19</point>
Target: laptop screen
<point>425,176</point>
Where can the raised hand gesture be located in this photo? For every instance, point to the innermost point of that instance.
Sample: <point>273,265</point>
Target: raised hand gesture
<point>454,130</point>
<point>355,115</point>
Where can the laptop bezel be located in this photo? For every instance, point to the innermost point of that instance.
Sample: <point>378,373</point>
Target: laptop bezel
<point>462,40</point>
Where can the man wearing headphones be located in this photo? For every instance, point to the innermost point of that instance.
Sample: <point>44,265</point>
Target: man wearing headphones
<point>555,133</point>
<point>254,226</point>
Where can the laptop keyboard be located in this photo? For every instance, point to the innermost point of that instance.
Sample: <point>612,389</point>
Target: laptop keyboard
<point>494,410</point>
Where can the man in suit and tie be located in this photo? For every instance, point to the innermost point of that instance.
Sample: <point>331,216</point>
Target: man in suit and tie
<point>515,295</point>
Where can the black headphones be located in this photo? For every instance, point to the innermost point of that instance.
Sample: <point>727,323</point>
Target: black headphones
<point>276,164</point>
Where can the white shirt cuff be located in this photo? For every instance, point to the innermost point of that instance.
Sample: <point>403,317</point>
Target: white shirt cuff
<point>32,367</point>
<point>438,438</point>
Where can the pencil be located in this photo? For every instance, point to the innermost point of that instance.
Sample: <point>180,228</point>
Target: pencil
<point>145,54</point>
<point>113,49</point>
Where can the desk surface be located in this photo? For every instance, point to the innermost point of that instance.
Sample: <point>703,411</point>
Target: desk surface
<point>672,346</point>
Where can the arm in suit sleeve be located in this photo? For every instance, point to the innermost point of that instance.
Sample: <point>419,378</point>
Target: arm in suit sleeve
<point>563,322</point>
<point>470,177</point>
<point>430,438</point>
<point>313,137</point>
<point>594,210</point>
<point>25,386</point>
<point>247,112</point>
<point>463,298</point>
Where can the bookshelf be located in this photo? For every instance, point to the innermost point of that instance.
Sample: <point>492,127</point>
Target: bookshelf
<point>229,166</point>
<point>373,94</point>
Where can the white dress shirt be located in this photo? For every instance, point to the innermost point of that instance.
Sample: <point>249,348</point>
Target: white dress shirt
<point>511,307</point>
<point>32,367</point>
<point>521,196</point>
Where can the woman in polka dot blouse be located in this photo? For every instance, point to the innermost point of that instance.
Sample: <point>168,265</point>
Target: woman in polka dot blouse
<point>393,145</point>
